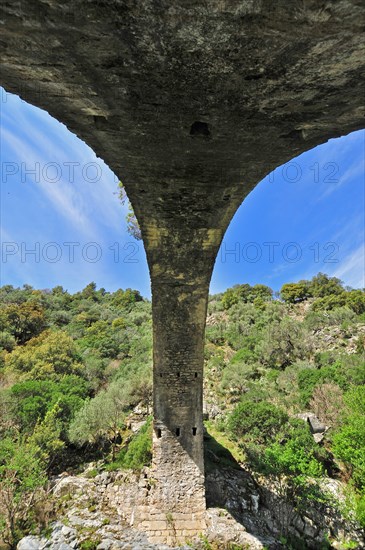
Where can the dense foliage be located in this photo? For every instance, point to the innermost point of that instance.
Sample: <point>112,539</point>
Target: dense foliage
<point>269,361</point>
<point>71,368</point>
<point>74,367</point>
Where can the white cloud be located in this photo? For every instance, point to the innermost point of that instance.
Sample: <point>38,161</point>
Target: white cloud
<point>84,204</point>
<point>352,268</point>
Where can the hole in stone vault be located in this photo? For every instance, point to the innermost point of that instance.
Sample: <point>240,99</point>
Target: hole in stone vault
<point>199,128</point>
<point>194,431</point>
<point>195,375</point>
<point>100,122</point>
<point>178,374</point>
<point>177,431</point>
<point>159,433</point>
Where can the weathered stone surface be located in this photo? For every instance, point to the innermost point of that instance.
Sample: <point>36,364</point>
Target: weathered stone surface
<point>71,485</point>
<point>240,510</point>
<point>32,543</point>
<point>191,104</point>
<point>224,529</point>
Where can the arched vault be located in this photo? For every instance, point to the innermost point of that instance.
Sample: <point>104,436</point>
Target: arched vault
<point>191,104</point>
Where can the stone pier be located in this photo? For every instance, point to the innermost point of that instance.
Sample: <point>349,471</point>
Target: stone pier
<point>191,104</point>
<point>180,284</point>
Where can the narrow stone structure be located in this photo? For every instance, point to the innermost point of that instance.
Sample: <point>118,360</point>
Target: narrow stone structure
<point>180,284</point>
<point>191,104</point>
<point>178,459</point>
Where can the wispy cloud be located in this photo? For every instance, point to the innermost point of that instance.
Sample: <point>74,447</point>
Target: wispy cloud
<point>80,206</point>
<point>352,268</point>
<point>355,170</point>
<point>84,194</point>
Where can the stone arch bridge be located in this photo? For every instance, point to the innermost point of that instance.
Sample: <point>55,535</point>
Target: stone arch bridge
<point>191,104</point>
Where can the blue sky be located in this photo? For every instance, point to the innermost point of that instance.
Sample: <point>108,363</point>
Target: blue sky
<point>62,221</point>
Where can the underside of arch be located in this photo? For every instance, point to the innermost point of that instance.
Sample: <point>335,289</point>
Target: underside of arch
<point>191,104</point>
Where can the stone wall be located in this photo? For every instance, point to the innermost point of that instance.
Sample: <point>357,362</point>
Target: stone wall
<point>191,104</point>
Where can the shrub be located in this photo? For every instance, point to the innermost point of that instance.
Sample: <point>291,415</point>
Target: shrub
<point>349,439</point>
<point>32,399</point>
<point>22,474</point>
<point>258,421</point>
<point>139,451</point>
<point>50,355</point>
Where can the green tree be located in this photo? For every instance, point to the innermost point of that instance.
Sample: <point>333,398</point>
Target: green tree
<point>330,302</point>
<point>32,399</point>
<point>261,291</point>
<point>282,343</point>
<point>296,453</point>
<point>102,416</point>
<point>23,321</point>
<point>89,292</point>
<point>47,435</point>
<point>295,292</point>
<point>259,421</point>
<point>103,337</point>
<point>132,223</point>
<point>322,285</point>
<point>230,298</point>
<point>7,341</point>
<point>246,293</point>
<point>52,354</point>
<point>236,377</point>
<point>138,453</point>
<point>22,474</point>
<point>355,300</point>
<point>293,461</point>
<point>126,298</point>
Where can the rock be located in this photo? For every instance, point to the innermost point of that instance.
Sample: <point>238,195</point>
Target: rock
<point>315,424</point>
<point>32,543</point>
<point>125,496</point>
<point>71,485</point>
<point>223,529</point>
<point>211,410</point>
<point>310,529</point>
<point>136,425</point>
<point>103,478</point>
<point>105,545</point>
<point>255,503</point>
<point>253,82</point>
<point>318,437</point>
<point>75,520</point>
<point>68,532</point>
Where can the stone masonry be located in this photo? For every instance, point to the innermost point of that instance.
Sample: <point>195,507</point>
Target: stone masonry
<point>191,104</point>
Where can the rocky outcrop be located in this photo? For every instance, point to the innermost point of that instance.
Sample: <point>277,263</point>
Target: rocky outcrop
<point>316,523</point>
<point>106,510</point>
<point>191,104</point>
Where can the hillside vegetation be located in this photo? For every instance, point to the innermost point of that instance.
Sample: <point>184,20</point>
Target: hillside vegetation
<point>74,369</point>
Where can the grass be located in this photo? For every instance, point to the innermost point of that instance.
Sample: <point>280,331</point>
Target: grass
<point>220,446</point>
